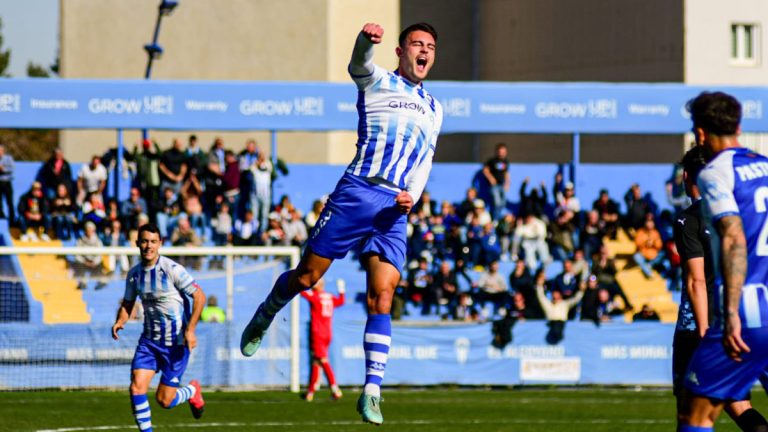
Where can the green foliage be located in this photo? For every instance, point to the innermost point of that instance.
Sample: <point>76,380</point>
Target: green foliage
<point>37,71</point>
<point>5,56</point>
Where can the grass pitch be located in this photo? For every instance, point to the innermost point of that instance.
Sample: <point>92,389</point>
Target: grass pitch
<point>444,410</point>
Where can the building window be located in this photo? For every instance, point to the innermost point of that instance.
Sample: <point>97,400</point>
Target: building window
<point>744,44</point>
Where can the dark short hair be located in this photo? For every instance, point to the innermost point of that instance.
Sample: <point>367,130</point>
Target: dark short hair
<point>150,228</point>
<point>422,26</point>
<point>716,112</point>
<point>193,137</point>
<point>693,161</point>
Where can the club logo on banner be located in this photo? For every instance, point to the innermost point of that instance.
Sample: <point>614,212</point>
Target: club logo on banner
<point>10,102</point>
<point>461,347</point>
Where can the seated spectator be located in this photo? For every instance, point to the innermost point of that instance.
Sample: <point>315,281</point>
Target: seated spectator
<point>168,211</point>
<point>492,287</point>
<point>465,309</point>
<point>54,172</point>
<point>314,215</point>
<point>581,266</point>
<point>184,236</point>
<point>246,231</point>
<point>675,187</point>
<point>567,282</point>
<point>114,236</point>
<point>446,286</point>
<point>604,268</point>
<point>113,212</point>
<point>131,209</point>
<point>480,213</point>
<point>556,311</point>
<point>419,287</point>
<point>275,236</point>
<point>646,314</point>
<point>597,305</point>
<point>294,228</point>
<point>88,265</point>
<point>519,310</point>
<point>520,280</point>
<point>193,208</point>
<point>439,236</point>
<point>450,218</point>
<point>284,207</point>
<point>454,244</point>
<point>92,179</point>
<point>63,213</point>
<point>212,313</point>
<point>173,167</point>
<point>608,213</point>
<point>637,208</point>
<point>531,236</point>
<point>591,235</point>
<point>467,205</point>
<point>534,203</point>
<point>94,210</point>
<point>649,246</point>
<point>505,230</point>
<point>33,214</point>
<point>222,226</point>
<point>485,249</point>
<point>426,204</point>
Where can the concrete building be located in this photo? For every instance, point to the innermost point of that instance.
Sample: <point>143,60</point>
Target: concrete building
<point>707,42</point>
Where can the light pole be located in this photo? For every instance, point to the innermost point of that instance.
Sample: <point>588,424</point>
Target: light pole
<point>153,49</point>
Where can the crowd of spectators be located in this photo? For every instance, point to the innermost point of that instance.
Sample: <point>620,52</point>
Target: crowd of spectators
<point>218,197</point>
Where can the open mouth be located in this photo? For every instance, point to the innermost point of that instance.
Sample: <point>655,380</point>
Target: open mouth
<point>421,61</point>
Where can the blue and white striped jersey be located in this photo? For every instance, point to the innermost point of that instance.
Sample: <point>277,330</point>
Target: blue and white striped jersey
<point>397,131</point>
<point>735,182</point>
<point>166,292</point>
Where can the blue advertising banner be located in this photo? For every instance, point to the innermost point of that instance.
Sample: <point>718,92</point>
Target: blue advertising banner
<point>77,356</point>
<point>470,107</point>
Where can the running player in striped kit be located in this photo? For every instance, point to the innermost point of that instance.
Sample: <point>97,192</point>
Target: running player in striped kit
<point>734,351</point>
<point>172,305</point>
<point>399,122</point>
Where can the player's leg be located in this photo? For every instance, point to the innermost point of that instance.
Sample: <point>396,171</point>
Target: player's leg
<point>140,380</point>
<point>314,375</point>
<point>335,390</point>
<point>746,417</point>
<point>170,393</point>
<point>382,279</point>
<point>289,284</point>
<point>702,413</point>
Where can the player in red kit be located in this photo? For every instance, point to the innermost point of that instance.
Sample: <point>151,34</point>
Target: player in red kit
<point>321,305</point>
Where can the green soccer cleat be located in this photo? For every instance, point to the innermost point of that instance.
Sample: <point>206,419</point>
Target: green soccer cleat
<point>370,408</point>
<point>250,341</point>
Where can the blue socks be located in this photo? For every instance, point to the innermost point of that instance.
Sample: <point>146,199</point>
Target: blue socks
<point>276,300</point>
<point>142,412</point>
<point>686,428</point>
<point>378,337</point>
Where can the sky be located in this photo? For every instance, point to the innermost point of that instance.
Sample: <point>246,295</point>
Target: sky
<point>31,30</point>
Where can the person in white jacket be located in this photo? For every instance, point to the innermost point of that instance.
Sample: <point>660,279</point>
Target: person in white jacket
<point>556,310</point>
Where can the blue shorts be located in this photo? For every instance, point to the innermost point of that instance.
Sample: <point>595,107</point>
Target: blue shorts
<point>171,361</point>
<point>359,213</point>
<point>713,374</point>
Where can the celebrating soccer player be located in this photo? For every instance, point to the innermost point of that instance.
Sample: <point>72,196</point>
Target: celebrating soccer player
<point>399,122</point>
<point>734,351</point>
<point>165,288</point>
<point>693,242</point>
<point>321,305</point>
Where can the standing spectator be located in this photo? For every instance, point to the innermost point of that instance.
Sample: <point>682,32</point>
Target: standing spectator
<point>675,187</point>
<point>63,213</point>
<point>247,160</point>
<point>561,234</point>
<point>533,203</point>
<point>321,305</point>
<point>196,158</point>
<point>314,214</point>
<point>261,197</point>
<point>92,179</point>
<point>214,185</point>
<point>608,212</point>
<point>496,171</point>
<point>446,286</point>
<point>131,209</point>
<point>33,214</point>
<point>604,268</point>
<point>637,208</point>
<point>7,165</point>
<point>531,236</point>
<point>505,230</point>
<point>56,171</point>
<point>590,303</point>
<point>649,244</point>
<point>568,203</point>
<point>556,311</point>
<point>492,288</point>
<point>246,231</point>
<point>86,265</point>
<point>591,235</point>
<point>419,287</point>
<point>231,180</point>
<point>148,175</point>
<point>173,167</point>
<point>212,313</point>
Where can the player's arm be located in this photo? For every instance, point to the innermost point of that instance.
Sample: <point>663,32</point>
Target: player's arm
<point>361,63</point>
<point>123,315</point>
<point>198,302</point>
<point>341,287</point>
<point>696,287</point>
<point>734,260</point>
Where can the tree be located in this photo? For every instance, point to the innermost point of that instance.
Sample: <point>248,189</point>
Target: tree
<point>5,56</point>
<point>37,71</point>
